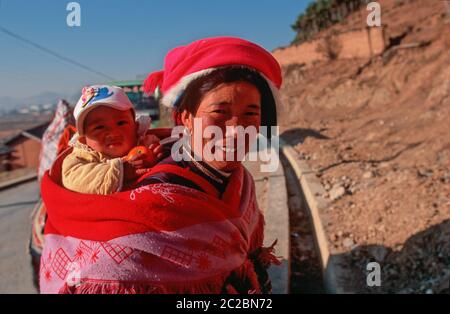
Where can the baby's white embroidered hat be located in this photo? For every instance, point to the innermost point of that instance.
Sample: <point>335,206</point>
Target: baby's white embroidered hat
<point>99,95</point>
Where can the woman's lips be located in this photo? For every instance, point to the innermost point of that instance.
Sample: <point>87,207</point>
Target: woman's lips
<point>227,149</point>
<point>232,149</point>
<point>221,144</point>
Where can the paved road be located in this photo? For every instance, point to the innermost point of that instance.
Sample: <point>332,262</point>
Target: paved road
<point>16,205</point>
<point>272,200</point>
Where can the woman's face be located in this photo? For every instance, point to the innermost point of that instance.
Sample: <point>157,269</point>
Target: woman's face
<point>228,105</point>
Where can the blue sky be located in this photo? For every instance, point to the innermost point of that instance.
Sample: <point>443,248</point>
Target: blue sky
<point>124,38</point>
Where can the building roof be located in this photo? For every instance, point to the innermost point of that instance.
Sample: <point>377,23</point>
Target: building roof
<point>4,150</point>
<point>38,130</point>
<point>127,83</point>
<point>35,132</point>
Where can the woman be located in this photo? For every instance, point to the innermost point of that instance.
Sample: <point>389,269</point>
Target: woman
<point>193,225</point>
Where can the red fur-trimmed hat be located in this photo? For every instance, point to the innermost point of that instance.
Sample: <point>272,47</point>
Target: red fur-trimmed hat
<point>184,64</point>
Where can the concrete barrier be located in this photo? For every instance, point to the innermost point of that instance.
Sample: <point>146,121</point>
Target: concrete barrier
<point>313,192</point>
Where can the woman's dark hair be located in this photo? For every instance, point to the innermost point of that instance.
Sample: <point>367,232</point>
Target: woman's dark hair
<point>195,91</point>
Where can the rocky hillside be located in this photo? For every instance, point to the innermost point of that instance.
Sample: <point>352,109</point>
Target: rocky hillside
<point>377,133</point>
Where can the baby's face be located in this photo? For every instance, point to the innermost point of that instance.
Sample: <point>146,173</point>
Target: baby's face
<point>110,131</point>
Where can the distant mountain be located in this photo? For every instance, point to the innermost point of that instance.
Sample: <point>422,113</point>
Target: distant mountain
<point>10,103</point>
<point>43,98</point>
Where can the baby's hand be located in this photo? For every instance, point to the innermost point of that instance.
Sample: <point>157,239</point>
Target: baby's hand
<point>137,163</point>
<point>158,152</point>
<point>154,154</point>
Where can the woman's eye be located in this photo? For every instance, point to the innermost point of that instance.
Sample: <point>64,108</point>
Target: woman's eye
<point>219,111</point>
<point>98,127</point>
<point>123,122</point>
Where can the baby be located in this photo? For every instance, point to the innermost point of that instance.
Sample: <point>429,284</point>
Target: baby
<point>107,131</point>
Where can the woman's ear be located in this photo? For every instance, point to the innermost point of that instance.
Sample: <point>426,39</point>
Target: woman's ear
<point>187,119</point>
<point>82,139</point>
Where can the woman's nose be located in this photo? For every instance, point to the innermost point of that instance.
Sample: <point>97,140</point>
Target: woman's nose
<point>233,121</point>
<point>231,128</point>
<point>234,124</point>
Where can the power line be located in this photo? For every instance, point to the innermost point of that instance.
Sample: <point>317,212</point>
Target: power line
<point>54,54</point>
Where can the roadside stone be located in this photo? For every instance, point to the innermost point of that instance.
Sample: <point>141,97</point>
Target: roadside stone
<point>353,188</point>
<point>336,192</point>
<point>367,175</point>
<point>334,237</point>
<point>348,242</point>
<point>446,178</point>
<point>381,228</point>
<point>425,173</point>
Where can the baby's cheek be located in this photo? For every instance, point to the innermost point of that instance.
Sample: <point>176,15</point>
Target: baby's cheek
<point>95,145</point>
